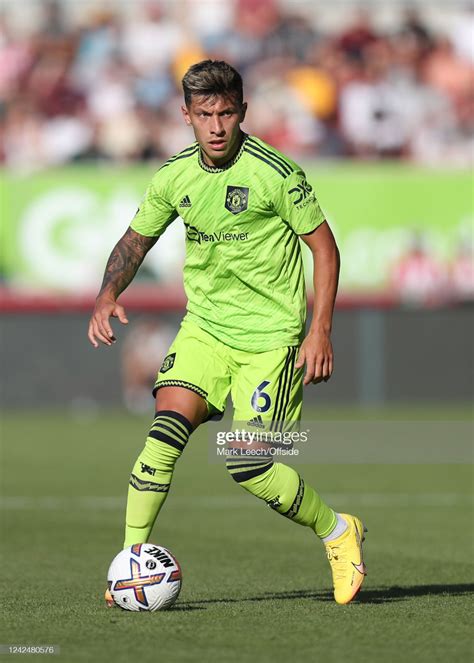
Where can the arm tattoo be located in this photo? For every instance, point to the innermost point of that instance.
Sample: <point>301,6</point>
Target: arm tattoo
<point>124,261</point>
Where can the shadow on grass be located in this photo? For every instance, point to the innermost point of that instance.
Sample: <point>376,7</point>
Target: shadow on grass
<point>369,595</point>
<point>397,593</point>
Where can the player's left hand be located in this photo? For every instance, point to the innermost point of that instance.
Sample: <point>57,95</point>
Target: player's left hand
<point>316,351</point>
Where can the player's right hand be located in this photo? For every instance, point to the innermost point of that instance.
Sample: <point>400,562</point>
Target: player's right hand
<point>99,325</point>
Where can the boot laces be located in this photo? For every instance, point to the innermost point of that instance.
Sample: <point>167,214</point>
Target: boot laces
<point>337,559</point>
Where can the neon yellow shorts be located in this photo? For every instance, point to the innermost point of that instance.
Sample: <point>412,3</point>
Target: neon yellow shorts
<point>266,390</point>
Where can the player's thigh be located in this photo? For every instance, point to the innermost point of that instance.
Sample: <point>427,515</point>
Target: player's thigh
<point>195,369</point>
<point>267,390</point>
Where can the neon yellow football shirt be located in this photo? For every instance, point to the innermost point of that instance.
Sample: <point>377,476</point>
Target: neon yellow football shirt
<point>243,273</point>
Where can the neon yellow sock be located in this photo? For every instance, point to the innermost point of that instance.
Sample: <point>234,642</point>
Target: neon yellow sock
<point>152,473</point>
<point>281,487</point>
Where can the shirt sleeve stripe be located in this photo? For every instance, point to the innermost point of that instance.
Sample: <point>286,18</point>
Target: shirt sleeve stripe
<point>279,160</point>
<point>186,149</point>
<point>270,163</point>
<point>181,156</point>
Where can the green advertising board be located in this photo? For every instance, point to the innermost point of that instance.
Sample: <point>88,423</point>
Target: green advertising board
<point>59,226</point>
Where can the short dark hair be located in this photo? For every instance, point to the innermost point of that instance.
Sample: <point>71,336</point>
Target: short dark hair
<point>211,78</point>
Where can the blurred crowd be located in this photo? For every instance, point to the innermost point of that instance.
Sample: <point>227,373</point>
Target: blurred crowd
<point>109,87</point>
<point>418,277</point>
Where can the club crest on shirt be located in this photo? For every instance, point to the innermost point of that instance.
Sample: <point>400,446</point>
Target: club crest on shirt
<point>236,199</point>
<point>168,362</point>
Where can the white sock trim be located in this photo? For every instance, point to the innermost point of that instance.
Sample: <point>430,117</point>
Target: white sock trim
<point>339,528</point>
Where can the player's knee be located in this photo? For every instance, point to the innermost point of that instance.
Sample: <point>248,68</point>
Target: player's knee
<point>182,401</point>
<point>242,470</point>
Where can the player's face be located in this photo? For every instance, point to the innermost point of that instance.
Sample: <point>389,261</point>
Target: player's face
<point>216,123</point>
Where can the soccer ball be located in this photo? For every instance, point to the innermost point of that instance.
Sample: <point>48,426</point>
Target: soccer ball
<point>144,577</point>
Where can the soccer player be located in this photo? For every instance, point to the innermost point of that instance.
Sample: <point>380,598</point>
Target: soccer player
<point>245,206</point>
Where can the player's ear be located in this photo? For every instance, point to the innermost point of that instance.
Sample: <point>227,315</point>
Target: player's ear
<point>243,111</point>
<point>187,117</point>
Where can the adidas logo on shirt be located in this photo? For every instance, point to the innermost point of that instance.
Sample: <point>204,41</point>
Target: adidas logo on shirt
<point>186,202</point>
<point>257,422</point>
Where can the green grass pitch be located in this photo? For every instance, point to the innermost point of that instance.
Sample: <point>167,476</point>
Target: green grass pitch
<point>256,586</point>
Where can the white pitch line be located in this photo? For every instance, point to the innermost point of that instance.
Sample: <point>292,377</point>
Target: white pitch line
<point>112,503</point>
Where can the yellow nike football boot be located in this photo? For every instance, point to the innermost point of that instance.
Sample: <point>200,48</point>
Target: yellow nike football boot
<point>345,557</point>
